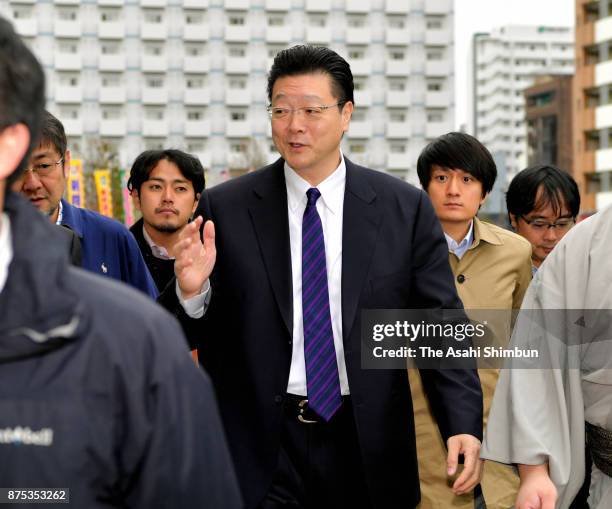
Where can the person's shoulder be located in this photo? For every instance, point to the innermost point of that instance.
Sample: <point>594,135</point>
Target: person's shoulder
<point>509,239</point>
<point>122,314</point>
<point>103,224</point>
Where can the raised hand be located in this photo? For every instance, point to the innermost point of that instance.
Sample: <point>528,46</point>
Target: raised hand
<point>194,259</point>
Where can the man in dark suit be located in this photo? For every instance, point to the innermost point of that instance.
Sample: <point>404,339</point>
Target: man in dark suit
<point>303,246</point>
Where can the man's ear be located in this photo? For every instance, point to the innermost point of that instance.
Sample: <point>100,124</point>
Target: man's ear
<point>483,199</point>
<point>135,199</point>
<point>513,221</point>
<point>195,203</point>
<point>14,143</point>
<point>67,158</point>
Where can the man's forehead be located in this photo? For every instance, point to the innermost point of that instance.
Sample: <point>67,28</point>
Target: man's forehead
<point>45,150</point>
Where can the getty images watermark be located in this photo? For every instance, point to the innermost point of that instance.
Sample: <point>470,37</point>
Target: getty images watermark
<point>491,338</point>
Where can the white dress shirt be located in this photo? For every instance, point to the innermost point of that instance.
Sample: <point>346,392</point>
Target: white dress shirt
<point>459,248</point>
<point>330,207</point>
<point>158,251</point>
<point>6,248</point>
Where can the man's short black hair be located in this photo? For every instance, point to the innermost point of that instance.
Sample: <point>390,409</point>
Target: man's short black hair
<point>22,89</point>
<point>52,133</point>
<point>458,151</point>
<point>305,59</point>
<point>559,190</point>
<point>188,165</point>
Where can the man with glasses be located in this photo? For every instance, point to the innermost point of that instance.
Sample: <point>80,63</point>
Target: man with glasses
<point>108,248</point>
<point>304,245</point>
<point>543,202</point>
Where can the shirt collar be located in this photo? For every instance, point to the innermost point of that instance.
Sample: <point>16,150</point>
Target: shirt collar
<point>466,242</point>
<point>331,189</point>
<point>60,213</point>
<point>158,251</point>
<point>70,219</point>
<point>6,248</point>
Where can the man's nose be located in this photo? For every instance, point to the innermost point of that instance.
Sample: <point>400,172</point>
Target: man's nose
<point>31,180</point>
<point>452,187</point>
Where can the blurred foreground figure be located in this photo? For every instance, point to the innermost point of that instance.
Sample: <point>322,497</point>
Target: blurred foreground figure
<point>543,408</point>
<point>98,394</point>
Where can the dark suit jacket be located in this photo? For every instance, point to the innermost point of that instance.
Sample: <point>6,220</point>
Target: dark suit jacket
<point>394,256</point>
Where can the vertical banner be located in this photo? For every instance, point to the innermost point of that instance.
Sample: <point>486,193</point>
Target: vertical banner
<point>128,211</point>
<point>76,184</point>
<point>103,188</point>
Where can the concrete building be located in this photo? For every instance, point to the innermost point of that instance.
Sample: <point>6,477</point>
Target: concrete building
<point>592,102</point>
<point>191,74</point>
<point>504,62</point>
<point>549,118</point>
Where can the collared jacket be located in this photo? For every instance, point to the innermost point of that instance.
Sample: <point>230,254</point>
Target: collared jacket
<point>494,273</point>
<point>108,248</point>
<point>98,393</point>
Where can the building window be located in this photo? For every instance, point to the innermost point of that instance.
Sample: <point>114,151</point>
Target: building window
<point>195,114</point>
<point>110,80</point>
<point>356,21</point>
<point>237,147</point>
<point>235,51</point>
<point>317,21</point>
<point>110,15</point>
<point>67,14</point>
<point>356,53</point>
<point>397,54</point>
<point>22,12</point>
<point>195,146</point>
<point>69,113</point>
<point>397,116</point>
<point>154,144</point>
<point>194,82</point>
<point>111,113</point>
<point>396,22</point>
<point>359,115</point>
<point>434,22</point>
<point>235,20</point>
<point>68,47</point>
<point>194,18</point>
<point>397,85</point>
<point>154,16</point>
<point>435,116</point>
<point>435,85</point>
<point>193,50</point>
<point>154,113</point>
<point>237,116</point>
<point>357,148</point>
<point>277,20</point>
<point>237,83</point>
<point>397,148</point>
<point>154,50</point>
<point>154,81</point>
<point>434,54</point>
<point>110,48</point>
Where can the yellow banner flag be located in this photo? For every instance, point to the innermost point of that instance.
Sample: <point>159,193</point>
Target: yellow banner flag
<point>76,184</point>
<point>103,188</point>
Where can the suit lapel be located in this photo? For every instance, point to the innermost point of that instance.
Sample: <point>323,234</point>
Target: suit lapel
<point>268,210</point>
<point>361,221</point>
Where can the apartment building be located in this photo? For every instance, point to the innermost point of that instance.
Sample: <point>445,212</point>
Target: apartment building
<point>504,62</point>
<point>592,101</point>
<point>191,74</point>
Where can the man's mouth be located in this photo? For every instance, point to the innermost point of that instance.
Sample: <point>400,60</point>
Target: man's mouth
<point>166,211</point>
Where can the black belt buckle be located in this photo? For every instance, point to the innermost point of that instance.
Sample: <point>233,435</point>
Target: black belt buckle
<point>303,406</point>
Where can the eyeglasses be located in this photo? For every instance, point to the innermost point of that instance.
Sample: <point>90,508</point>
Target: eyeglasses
<point>44,168</point>
<point>539,225</point>
<point>309,112</point>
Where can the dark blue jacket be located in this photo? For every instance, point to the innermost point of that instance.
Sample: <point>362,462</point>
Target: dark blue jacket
<point>108,248</point>
<point>98,392</point>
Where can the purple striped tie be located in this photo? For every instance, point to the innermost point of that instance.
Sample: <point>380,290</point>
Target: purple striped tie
<point>321,367</point>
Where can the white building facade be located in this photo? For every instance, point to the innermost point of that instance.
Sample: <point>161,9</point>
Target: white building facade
<point>191,74</point>
<point>504,63</point>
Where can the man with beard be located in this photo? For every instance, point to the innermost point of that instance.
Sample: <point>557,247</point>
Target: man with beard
<point>107,247</point>
<point>165,186</point>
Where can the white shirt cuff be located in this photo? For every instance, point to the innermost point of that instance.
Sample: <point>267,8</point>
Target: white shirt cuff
<point>195,307</point>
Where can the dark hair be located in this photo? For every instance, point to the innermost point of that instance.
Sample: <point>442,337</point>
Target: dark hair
<point>305,59</point>
<point>188,165</point>
<point>52,133</point>
<point>22,88</point>
<point>458,151</point>
<point>559,189</point>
